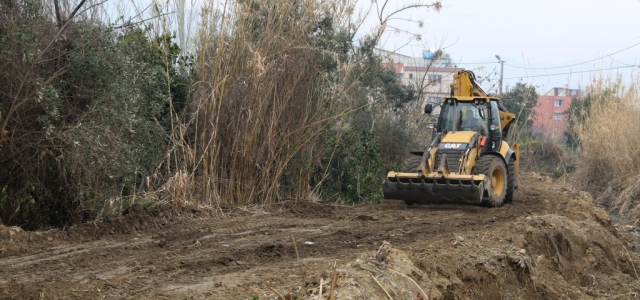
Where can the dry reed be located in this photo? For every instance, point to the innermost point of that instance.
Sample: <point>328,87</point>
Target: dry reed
<point>271,84</point>
<point>261,103</point>
<point>609,138</point>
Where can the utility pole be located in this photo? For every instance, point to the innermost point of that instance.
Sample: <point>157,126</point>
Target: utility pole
<point>501,72</point>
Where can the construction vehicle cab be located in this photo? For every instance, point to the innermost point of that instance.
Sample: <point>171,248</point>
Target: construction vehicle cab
<point>476,114</point>
<point>468,160</point>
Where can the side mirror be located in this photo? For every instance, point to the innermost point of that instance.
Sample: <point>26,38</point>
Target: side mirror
<point>428,108</point>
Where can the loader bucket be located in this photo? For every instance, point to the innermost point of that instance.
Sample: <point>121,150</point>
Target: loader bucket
<point>424,190</point>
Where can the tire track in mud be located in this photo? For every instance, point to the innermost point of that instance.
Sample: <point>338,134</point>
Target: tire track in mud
<point>197,244</point>
<point>213,256</point>
<point>61,253</point>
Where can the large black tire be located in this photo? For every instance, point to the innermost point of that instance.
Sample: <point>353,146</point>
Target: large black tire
<point>493,167</point>
<point>411,165</point>
<point>511,169</point>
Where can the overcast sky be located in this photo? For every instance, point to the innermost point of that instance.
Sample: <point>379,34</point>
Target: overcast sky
<point>530,35</point>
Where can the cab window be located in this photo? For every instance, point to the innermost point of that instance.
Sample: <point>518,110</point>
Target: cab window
<point>495,118</point>
<point>463,116</point>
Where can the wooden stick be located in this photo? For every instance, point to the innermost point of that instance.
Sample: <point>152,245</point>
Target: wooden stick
<point>334,280</point>
<point>380,285</point>
<point>304,292</point>
<point>423,293</point>
<point>320,289</point>
<point>302,272</point>
<point>278,294</point>
<point>295,247</point>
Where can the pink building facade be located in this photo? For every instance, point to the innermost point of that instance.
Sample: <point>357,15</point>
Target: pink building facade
<point>548,119</point>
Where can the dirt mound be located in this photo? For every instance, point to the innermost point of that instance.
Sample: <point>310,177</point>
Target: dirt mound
<point>14,240</point>
<point>571,251</point>
<point>382,274</point>
<point>540,257</point>
<point>551,243</point>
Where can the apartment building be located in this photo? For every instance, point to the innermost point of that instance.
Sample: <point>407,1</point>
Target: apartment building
<point>548,119</point>
<point>431,74</point>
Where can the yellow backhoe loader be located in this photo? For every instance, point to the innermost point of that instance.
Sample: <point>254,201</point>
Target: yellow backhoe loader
<point>468,160</point>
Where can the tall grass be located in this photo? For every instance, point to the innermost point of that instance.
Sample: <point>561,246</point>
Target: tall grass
<point>262,101</point>
<point>254,108</point>
<point>609,138</point>
<point>276,78</point>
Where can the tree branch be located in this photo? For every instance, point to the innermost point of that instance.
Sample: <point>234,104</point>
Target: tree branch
<point>73,14</point>
<point>129,23</point>
<point>58,17</point>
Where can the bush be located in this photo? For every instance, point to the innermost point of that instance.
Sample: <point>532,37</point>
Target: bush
<point>520,100</point>
<point>84,114</point>
<point>546,157</point>
<point>88,110</point>
<point>609,138</point>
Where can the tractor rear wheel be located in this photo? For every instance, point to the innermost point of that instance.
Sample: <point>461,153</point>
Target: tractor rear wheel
<point>493,167</point>
<point>511,169</point>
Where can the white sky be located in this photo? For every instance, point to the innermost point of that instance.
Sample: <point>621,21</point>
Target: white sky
<point>536,38</point>
<point>528,34</point>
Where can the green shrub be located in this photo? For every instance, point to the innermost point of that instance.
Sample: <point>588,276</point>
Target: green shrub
<point>85,115</point>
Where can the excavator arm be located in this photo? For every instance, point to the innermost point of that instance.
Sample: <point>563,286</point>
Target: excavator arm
<point>506,118</point>
<point>465,85</point>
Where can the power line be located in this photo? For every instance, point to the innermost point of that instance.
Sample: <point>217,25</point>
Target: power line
<point>550,68</point>
<point>577,64</point>
<point>479,63</point>
<point>620,62</point>
<point>569,73</point>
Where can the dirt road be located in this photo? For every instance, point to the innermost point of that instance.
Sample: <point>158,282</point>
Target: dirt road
<point>551,243</point>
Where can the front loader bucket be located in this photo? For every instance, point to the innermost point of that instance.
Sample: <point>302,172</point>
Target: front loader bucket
<point>424,190</point>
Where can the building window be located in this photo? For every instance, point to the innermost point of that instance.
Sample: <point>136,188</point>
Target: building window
<point>435,78</point>
<point>558,103</point>
<point>410,75</point>
<point>557,116</point>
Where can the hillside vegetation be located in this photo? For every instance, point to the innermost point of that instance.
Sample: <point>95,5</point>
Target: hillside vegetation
<point>269,100</point>
<point>607,126</point>
<point>265,101</point>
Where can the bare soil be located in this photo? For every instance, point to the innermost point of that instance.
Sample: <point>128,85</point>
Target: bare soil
<point>551,243</point>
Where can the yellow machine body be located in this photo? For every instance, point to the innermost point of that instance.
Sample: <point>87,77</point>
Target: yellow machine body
<point>461,165</point>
